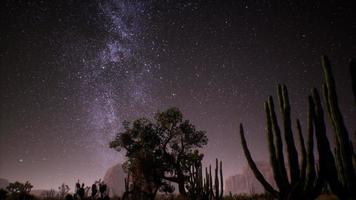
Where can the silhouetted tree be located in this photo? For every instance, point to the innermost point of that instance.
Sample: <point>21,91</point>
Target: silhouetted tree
<point>20,190</point>
<point>3,194</point>
<point>159,151</point>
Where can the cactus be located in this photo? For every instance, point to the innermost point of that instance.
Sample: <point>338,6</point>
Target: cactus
<point>270,113</point>
<point>103,189</point>
<point>268,187</point>
<point>195,186</point>
<point>304,185</point>
<point>303,164</point>
<point>218,195</point>
<point>203,188</point>
<point>306,182</point>
<point>310,168</point>
<point>288,134</point>
<point>94,191</point>
<point>343,148</point>
<point>326,159</point>
<point>79,190</point>
<point>353,76</point>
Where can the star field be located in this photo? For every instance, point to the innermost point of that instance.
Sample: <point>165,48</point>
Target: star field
<point>73,71</point>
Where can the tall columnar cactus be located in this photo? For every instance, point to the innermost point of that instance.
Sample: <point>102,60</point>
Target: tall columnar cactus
<point>288,134</point>
<point>195,186</point>
<point>204,188</point>
<point>327,166</point>
<point>306,184</point>
<point>270,113</point>
<point>334,171</point>
<point>79,190</point>
<point>353,76</point>
<point>219,182</point>
<point>303,164</point>
<point>303,184</point>
<point>343,147</point>
<point>310,173</point>
<point>94,191</point>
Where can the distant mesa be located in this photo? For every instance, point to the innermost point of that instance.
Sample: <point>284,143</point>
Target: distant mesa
<point>114,178</point>
<point>246,181</point>
<point>3,183</point>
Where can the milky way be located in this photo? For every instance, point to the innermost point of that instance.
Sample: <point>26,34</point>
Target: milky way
<point>113,89</point>
<point>73,71</point>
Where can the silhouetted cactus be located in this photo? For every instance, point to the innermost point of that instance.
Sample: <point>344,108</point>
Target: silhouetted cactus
<point>343,147</point>
<point>94,191</point>
<point>353,76</point>
<point>195,183</point>
<point>288,134</point>
<point>306,182</point>
<point>310,174</point>
<point>103,189</point>
<point>204,188</point>
<point>219,182</point>
<point>79,190</point>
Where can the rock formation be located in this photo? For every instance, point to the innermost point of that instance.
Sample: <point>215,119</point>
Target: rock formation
<point>114,178</point>
<point>246,181</point>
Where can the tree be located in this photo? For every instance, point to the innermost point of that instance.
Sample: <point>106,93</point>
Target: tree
<point>20,188</point>
<point>3,194</point>
<point>180,143</point>
<point>161,151</point>
<point>141,143</point>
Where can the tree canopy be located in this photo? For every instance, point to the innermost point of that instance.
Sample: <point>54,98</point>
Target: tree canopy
<point>160,151</point>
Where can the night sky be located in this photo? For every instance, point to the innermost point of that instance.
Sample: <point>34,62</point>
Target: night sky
<point>73,71</point>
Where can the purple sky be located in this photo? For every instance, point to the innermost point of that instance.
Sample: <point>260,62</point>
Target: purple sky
<point>73,71</point>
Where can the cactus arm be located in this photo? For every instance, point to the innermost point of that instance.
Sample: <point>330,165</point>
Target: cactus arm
<point>341,131</point>
<point>303,165</point>
<point>353,76</point>
<point>211,183</point>
<point>288,134</point>
<point>310,173</point>
<point>279,144</point>
<point>253,166</point>
<point>216,184</point>
<point>272,151</point>
<point>328,109</point>
<point>221,181</point>
<point>326,158</point>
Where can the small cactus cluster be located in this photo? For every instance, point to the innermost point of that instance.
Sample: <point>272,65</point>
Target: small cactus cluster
<point>205,188</point>
<point>80,191</point>
<point>306,180</point>
<point>99,191</point>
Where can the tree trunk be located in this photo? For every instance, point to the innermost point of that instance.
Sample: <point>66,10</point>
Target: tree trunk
<point>181,187</point>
